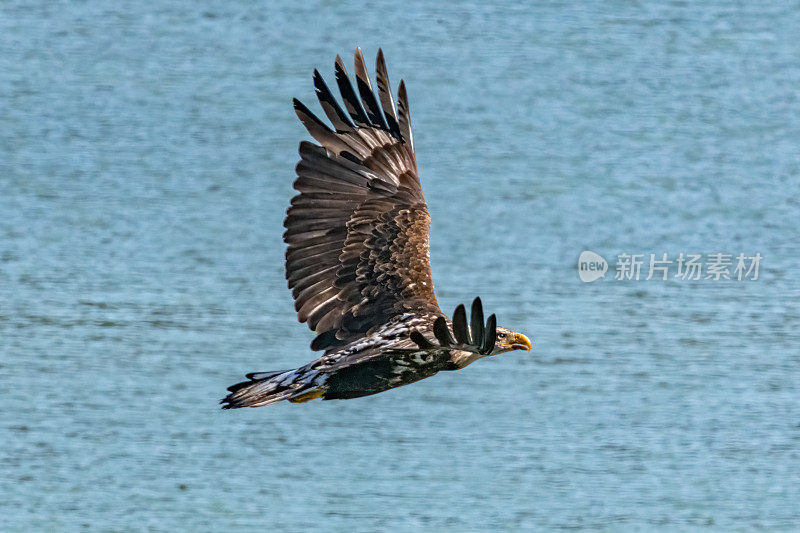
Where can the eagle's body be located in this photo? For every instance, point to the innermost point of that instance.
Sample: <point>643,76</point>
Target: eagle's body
<point>358,261</point>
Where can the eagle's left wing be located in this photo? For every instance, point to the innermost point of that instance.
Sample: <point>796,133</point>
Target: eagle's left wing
<point>358,230</point>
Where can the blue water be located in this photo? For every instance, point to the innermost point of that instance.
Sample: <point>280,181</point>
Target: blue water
<point>146,161</point>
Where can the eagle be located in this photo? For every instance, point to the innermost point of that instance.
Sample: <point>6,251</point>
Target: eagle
<point>358,260</point>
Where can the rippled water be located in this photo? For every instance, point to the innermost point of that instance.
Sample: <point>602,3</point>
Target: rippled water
<point>146,160</point>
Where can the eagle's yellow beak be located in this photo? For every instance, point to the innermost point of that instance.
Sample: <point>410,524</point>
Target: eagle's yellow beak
<point>519,342</point>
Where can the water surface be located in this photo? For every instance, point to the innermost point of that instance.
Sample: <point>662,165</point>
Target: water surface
<point>146,161</point>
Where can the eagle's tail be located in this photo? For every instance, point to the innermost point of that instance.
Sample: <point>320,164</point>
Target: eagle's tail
<point>264,388</point>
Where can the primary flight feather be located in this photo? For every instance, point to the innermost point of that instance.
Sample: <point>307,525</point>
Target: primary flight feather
<point>358,261</point>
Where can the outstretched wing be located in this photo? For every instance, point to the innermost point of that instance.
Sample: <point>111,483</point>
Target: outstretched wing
<point>358,231</point>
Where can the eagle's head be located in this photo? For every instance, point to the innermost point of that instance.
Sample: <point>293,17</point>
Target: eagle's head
<point>508,340</point>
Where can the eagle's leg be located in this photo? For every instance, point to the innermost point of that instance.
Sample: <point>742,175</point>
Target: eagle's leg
<point>307,396</point>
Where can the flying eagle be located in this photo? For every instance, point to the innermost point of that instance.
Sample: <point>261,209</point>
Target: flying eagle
<point>358,262</point>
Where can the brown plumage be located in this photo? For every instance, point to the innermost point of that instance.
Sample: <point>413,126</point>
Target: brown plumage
<point>358,261</point>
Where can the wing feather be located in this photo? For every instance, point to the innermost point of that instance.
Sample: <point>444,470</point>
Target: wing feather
<point>385,95</point>
<point>367,94</point>
<point>476,322</point>
<point>403,115</point>
<point>330,106</point>
<point>460,325</point>
<point>349,95</point>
